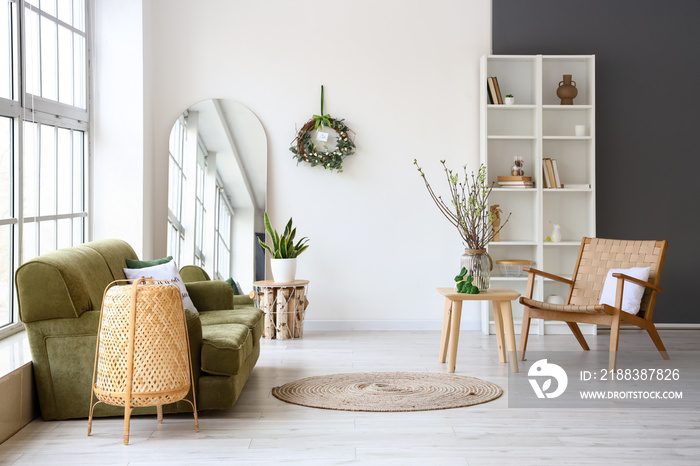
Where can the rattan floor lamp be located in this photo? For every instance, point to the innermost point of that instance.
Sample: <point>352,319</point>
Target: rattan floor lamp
<point>142,356</point>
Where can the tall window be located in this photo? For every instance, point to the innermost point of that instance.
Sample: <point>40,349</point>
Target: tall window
<point>176,231</point>
<point>222,241</point>
<point>43,130</point>
<point>200,213</point>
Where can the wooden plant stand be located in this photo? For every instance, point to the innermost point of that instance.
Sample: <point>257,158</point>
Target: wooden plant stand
<point>284,305</point>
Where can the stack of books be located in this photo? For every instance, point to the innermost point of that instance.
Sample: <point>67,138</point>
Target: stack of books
<point>515,182</point>
<point>550,174</point>
<point>494,91</point>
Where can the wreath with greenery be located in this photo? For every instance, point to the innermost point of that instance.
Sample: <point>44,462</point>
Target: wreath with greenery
<point>306,150</point>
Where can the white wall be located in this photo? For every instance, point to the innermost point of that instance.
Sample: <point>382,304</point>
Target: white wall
<point>118,201</point>
<point>404,76</point>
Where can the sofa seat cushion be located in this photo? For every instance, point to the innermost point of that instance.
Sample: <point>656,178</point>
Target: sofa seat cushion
<point>251,317</point>
<point>225,347</point>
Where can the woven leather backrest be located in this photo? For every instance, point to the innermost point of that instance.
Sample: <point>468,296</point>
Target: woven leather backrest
<point>599,255</point>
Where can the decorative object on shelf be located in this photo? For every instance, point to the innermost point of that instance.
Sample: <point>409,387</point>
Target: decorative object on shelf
<point>510,100</point>
<point>464,284</point>
<point>567,90</point>
<point>328,149</point>
<point>515,182</point>
<point>518,166</point>
<point>284,251</point>
<point>580,130</point>
<point>142,356</point>
<point>468,210</point>
<point>555,237</point>
<point>496,225</point>
<point>512,267</point>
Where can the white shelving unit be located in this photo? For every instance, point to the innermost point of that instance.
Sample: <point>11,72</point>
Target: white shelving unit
<point>537,127</point>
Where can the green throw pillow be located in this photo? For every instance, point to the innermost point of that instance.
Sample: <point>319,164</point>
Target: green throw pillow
<point>233,285</point>
<point>135,264</point>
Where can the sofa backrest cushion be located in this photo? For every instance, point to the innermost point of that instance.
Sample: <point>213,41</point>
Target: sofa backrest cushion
<point>115,252</point>
<point>68,282</point>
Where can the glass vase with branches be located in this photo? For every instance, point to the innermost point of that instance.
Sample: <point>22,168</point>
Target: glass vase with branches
<point>468,210</point>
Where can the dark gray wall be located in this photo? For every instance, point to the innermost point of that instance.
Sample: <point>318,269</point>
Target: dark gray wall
<point>647,119</point>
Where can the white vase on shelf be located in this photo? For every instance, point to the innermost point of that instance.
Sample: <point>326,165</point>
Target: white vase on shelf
<point>556,233</point>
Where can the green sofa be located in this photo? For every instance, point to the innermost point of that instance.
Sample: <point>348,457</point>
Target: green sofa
<point>60,295</point>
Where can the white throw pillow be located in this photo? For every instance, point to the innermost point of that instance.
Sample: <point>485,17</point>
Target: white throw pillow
<point>167,271</point>
<point>631,294</point>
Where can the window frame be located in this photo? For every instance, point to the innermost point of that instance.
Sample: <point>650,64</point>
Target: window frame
<point>23,108</point>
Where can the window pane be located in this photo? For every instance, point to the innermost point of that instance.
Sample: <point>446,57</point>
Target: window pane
<point>32,84</point>
<point>64,237</point>
<point>65,66</point>
<point>29,246</point>
<point>64,166</point>
<point>49,6</point>
<point>47,171</point>
<point>49,59</point>
<point>78,182</point>
<point>79,14</point>
<point>47,236</point>
<point>79,80</point>
<point>5,275</point>
<point>7,50</point>
<point>5,168</point>
<point>78,228</point>
<point>29,170</point>
<point>65,12</point>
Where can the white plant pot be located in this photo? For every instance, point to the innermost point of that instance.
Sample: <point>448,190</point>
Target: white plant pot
<point>283,270</point>
<point>510,100</point>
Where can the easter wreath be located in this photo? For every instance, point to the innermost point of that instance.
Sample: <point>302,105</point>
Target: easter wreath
<point>305,149</point>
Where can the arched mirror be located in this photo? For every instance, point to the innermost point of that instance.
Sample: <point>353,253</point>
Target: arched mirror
<point>217,191</point>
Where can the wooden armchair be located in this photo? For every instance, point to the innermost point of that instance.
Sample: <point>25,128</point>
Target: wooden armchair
<point>596,257</point>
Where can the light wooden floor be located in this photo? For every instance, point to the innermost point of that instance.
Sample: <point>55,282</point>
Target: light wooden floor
<point>263,430</point>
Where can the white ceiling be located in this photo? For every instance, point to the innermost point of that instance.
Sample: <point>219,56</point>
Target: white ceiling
<point>233,132</point>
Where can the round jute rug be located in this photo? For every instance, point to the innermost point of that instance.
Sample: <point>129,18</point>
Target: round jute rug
<point>388,391</point>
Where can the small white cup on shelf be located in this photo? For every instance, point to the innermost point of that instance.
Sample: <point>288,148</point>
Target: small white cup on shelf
<point>580,130</point>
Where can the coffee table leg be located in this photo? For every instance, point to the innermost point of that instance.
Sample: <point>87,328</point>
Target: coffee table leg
<point>498,321</point>
<point>507,312</point>
<point>445,338</point>
<point>454,334</point>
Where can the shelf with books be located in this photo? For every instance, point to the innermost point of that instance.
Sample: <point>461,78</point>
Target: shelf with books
<point>542,131</point>
<point>516,75</point>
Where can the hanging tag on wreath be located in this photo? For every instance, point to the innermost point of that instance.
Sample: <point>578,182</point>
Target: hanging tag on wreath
<point>323,140</point>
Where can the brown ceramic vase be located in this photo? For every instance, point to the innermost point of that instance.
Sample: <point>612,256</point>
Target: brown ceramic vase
<point>567,90</point>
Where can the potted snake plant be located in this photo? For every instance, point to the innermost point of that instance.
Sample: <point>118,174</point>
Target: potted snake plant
<point>284,251</point>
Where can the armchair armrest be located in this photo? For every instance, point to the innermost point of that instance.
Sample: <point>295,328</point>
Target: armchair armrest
<point>534,271</point>
<point>210,295</point>
<point>637,281</point>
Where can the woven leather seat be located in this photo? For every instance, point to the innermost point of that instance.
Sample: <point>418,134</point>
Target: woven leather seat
<point>596,257</point>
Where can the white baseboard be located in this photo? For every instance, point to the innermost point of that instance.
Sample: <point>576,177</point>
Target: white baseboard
<point>551,327</point>
<point>677,326</point>
<point>412,325</point>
